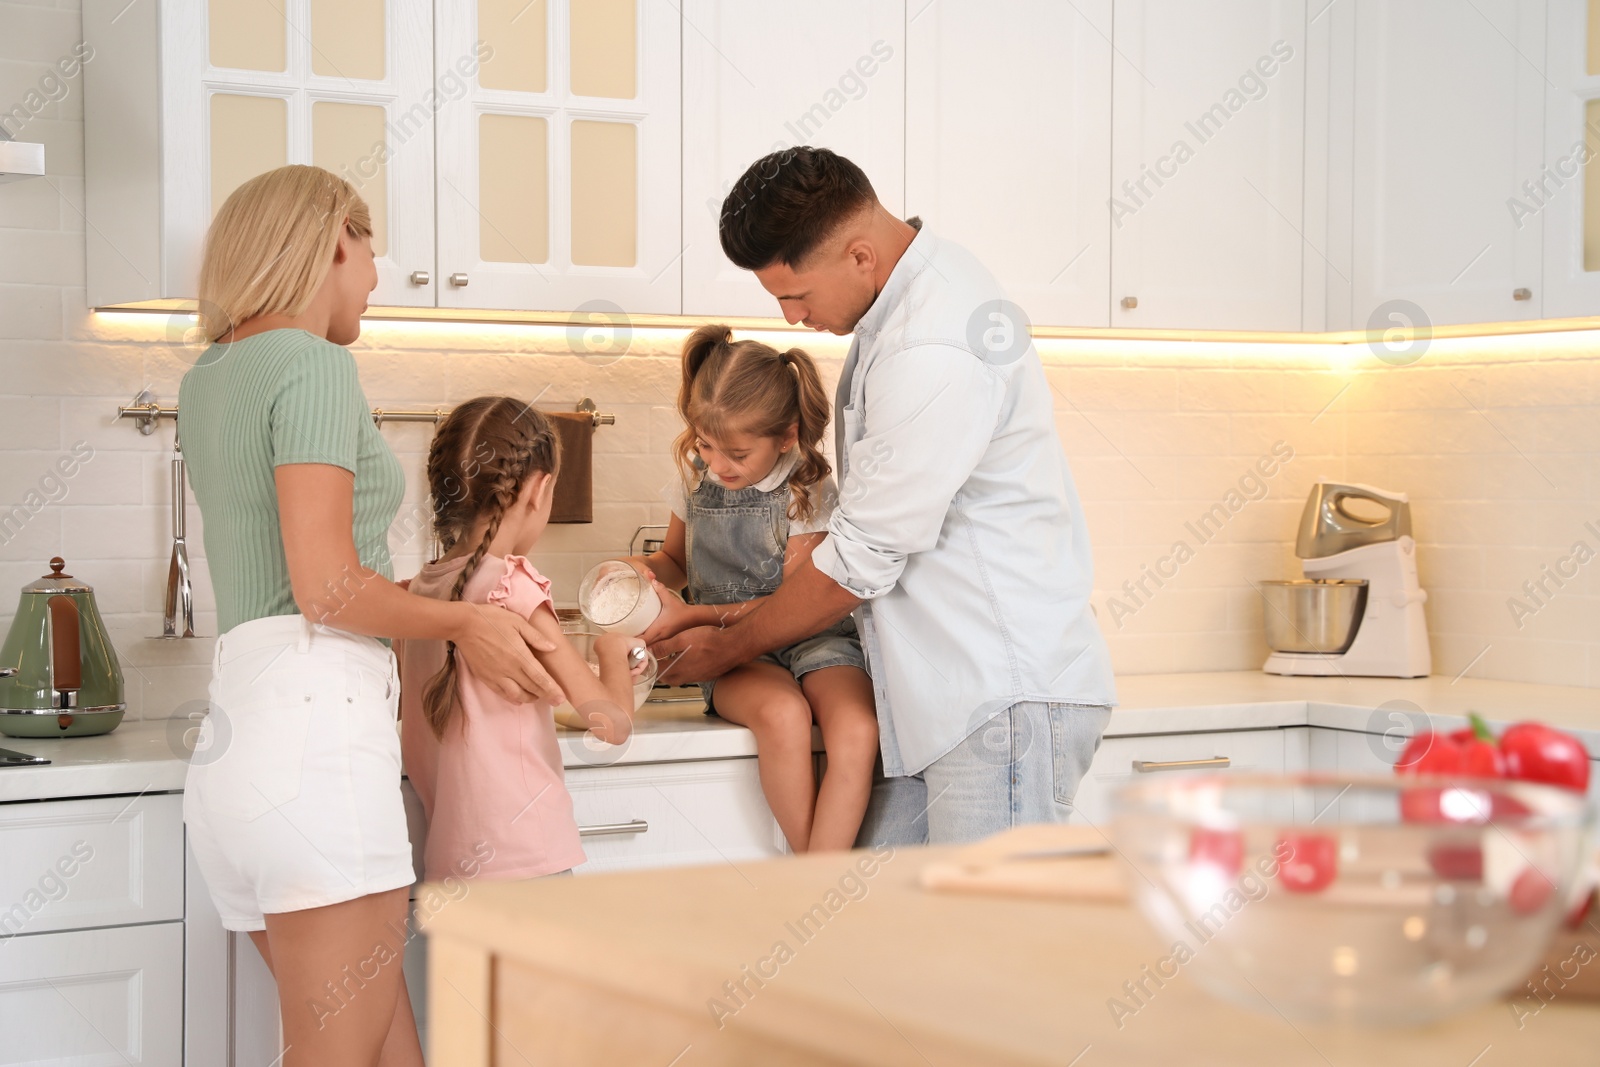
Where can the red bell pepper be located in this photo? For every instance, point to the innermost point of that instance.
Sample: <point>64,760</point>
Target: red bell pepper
<point>1527,751</point>
<point>1535,752</point>
<point>1311,862</point>
<point>1222,849</point>
<point>1469,752</point>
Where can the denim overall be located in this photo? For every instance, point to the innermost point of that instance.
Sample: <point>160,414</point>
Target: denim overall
<point>734,545</point>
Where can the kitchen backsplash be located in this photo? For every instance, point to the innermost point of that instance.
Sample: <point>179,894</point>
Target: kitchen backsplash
<point>1192,459</point>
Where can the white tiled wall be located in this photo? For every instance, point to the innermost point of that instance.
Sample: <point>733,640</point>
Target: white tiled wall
<point>1496,441</point>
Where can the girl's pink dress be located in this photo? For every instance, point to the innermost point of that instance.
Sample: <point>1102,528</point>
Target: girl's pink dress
<point>492,786</point>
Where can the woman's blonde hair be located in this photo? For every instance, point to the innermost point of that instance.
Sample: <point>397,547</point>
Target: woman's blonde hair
<point>750,387</point>
<point>272,243</point>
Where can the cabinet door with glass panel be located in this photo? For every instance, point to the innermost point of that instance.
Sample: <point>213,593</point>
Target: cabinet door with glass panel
<point>239,87</point>
<point>558,171</point>
<point>1565,194</point>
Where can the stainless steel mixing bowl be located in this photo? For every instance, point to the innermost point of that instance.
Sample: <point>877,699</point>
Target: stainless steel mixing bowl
<point>1313,614</point>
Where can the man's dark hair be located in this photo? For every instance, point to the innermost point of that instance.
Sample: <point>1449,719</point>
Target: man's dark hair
<point>788,203</point>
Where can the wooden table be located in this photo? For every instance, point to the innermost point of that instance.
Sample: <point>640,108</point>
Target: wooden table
<point>844,959</point>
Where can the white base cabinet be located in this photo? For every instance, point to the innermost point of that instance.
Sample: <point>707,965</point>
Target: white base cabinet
<point>672,815</point>
<point>1120,759</point>
<point>93,998</point>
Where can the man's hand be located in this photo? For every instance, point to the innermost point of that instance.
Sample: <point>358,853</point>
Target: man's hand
<point>701,653</point>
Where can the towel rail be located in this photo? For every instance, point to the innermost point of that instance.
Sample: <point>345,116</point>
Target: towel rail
<point>147,412</point>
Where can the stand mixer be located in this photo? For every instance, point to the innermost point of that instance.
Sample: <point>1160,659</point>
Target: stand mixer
<point>1358,611</point>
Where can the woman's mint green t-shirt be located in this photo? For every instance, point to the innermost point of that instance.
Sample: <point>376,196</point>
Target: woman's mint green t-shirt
<point>248,407</point>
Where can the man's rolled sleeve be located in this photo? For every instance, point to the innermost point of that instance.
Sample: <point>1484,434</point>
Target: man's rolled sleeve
<point>933,412</point>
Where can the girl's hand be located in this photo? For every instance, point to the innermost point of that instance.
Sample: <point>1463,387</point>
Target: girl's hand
<point>675,616</point>
<point>638,563</point>
<point>621,646</point>
<point>497,642</point>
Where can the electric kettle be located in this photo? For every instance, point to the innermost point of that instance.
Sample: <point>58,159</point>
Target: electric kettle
<point>59,675</point>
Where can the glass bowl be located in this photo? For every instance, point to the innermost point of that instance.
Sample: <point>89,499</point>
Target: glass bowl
<point>1347,899</point>
<point>565,714</point>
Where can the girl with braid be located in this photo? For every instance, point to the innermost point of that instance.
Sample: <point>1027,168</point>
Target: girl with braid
<point>488,770</point>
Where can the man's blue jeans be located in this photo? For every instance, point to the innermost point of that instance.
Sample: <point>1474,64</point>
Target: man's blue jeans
<point>1022,766</point>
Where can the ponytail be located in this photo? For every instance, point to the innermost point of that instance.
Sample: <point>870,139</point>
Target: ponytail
<point>703,344</point>
<point>812,416</point>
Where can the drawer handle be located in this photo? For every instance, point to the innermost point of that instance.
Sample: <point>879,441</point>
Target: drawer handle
<point>637,826</point>
<point>1145,766</point>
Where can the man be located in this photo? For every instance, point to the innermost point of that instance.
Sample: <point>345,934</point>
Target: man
<point>958,537</point>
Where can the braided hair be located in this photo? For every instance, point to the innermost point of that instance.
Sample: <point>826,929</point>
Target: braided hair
<point>483,454</point>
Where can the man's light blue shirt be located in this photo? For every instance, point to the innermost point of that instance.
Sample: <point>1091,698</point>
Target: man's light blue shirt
<point>957,521</point>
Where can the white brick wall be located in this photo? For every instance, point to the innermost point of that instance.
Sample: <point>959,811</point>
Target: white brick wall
<point>1496,441</point>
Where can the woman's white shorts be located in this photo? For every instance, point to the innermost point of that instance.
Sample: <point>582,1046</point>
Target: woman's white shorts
<point>293,795</point>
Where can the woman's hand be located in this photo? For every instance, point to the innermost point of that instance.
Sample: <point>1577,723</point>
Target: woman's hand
<point>496,642</point>
<point>675,616</point>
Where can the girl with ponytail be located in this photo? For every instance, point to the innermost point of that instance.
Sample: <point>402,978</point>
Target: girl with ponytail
<point>753,499</point>
<point>488,770</point>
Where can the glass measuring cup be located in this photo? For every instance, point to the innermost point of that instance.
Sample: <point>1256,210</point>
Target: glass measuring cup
<point>617,598</point>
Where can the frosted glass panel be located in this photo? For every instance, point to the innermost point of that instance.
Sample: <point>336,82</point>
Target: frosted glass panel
<point>347,39</point>
<point>604,48</point>
<point>515,30</point>
<point>348,139</point>
<point>1591,188</point>
<point>605,202</point>
<point>513,189</point>
<point>1594,36</point>
<point>247,34</point>
<point>249,136</point>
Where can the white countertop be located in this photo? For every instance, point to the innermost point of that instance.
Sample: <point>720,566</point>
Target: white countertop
<point>152,756</point>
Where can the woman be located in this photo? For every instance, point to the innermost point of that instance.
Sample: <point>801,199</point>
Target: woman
<point>294,808</point>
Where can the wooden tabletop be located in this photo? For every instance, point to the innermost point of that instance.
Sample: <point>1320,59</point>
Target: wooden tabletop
<point>843,958</point>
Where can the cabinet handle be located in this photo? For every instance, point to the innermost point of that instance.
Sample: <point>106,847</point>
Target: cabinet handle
<point>1145,766</point>
<point>458,280</point>
<point>1130,302</point>
<point>636,826</point>
<point>420,277</point>
<point>1522,294</point>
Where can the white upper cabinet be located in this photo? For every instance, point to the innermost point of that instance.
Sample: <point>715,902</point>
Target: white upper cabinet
<point>1447,124</point>
<point>558,155</point>
<point>1565,195</point>
<point>1008,145</point>
<point>760,77</point>
<point>186,99</point>
<point>1207,164</point>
